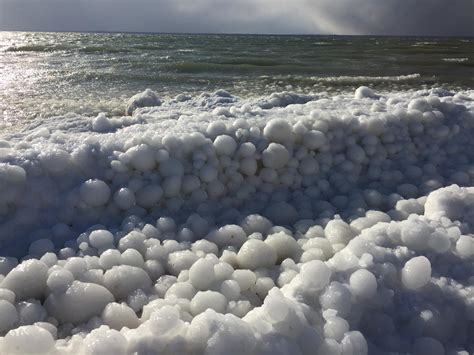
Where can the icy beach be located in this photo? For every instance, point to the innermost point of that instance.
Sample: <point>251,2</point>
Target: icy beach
<point>212,224</point>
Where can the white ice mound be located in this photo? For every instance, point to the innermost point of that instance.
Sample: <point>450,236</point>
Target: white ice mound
<point>453,202</point>
<point>146,98</point>
<point>365,92</point>
<point>78,303</point>
<point>220,226</point>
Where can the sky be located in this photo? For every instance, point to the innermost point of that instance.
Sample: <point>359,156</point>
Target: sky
<point>351,17</point>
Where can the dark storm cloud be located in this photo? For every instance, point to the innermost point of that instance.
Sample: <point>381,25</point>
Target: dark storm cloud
<point>394,17</point>
<point>245,16</point>
<point>398,17</point>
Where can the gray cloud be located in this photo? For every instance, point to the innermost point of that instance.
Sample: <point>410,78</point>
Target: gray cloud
<point>386,17</point>
<point>395,17</point>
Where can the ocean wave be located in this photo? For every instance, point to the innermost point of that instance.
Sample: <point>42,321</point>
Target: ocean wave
<point>455,60</point>
<point>366,79</point>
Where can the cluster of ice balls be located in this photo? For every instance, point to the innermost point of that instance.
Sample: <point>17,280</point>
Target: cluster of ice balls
<point>286,276</point>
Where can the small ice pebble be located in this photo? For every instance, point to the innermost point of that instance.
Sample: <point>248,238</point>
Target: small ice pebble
<point>416,273</point>
<point>201,274</point>
<point>208,300</point>
<point>80,302</point>
<point>95,192</point>
<point>255,254</point>
<point>117,316</point>
<point>27,280</point>
<point>363,283</point>
<point>9,316</point>
<point>101,238</point>
<point>29,339</point>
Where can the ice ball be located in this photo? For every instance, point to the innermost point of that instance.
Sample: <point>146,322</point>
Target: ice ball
<point>278,130</point>
<point>276,156</point>
<point>9,316</point>
<point>29,339</point>
<point>208,300</point>
<point>363,283</point>
<point>255,254</point>
<point>95,192</point>
<point>201,274</point>
<point>101,238</point>
<point>117,316</point>
<point>79,303</point>
<point>27,280</point>
<point>225,145</point>
<point>122,280</point>
<point>416,273</point>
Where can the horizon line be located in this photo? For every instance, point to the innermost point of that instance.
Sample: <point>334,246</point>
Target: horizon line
<point>245,34</point>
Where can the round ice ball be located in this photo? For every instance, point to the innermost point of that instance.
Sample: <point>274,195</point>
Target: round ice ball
<point>335,328</point>
<point>284,245</point>
<point>465,246</point>
<point>415,234</point>
<point>31,312</point>
<point>208,300</point>
<point>315,275</point>
<point>9,316</point>
<point>60,280</point>
<point>201,274</point>
<point>276,156</point>
<point>7,295</point>
<point>216,128</point>
<point>314,139</point>
<point>420,104</point>
<point>117,316</point>
<point>338,231</point>
<point>142,157</point>
<point>29,339</point>
<point>124,198</point>
<point>95,192</point>
<point>79,303</point>
<point>229,235</point>
<point>255,223</point>
<point>416,273</point>
<point>101,238</point>
<point>354,343</point>
<point>245,278</point>
<point>278,130</point>
<point>27,280</point>
<point>255,254</point>
<point>337,297</point>
<point>363,283</point>
<point>122,280</point>
<point>105,341</point>
<point>248,166</point>
<point>110,258</point>
<point>225,145</point>
<point>230,289</point>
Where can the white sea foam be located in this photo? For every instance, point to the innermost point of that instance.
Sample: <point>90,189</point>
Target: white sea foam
<point>455,60</point>
<point>289,224</point>
<point>366,79</point>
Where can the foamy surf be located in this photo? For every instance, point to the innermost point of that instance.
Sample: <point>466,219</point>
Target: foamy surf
<point>282,224</point>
